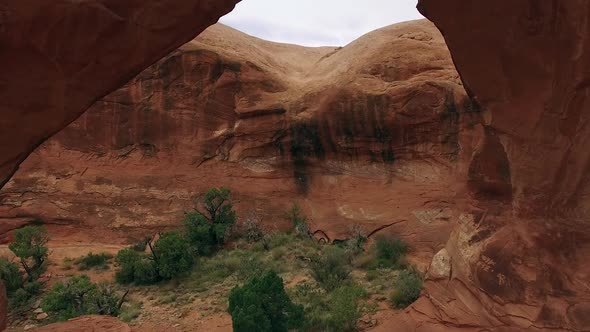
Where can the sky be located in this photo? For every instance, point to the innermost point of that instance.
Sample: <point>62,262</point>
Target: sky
<point>317,22</point>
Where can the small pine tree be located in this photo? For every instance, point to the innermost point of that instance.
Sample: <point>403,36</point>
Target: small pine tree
<point>263,305</point>
<point>173,255</point>
<point>30,246</point>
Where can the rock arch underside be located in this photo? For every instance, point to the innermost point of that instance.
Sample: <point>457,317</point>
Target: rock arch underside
<point>478,158</point>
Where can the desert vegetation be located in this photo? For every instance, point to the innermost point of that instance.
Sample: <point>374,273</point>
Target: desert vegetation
<point>66,299</point>
<point>79,296</point>
<point>265,279</point>
<point>30,249</point>
<point>93,261</point>
<point>262,304</point>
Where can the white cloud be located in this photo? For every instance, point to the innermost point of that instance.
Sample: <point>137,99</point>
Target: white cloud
<point>317,22</point>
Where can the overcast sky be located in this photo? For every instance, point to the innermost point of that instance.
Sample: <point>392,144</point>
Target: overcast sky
<point>317,22</point>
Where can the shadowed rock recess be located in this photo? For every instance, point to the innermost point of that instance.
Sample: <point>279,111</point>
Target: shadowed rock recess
<point>492,193</point>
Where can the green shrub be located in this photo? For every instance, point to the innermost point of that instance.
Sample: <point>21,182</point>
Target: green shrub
<point>19,298</point>
<point>278,253</point>
<point>135,267</point>
<point>106,300</point>
<point>315,302</point>
<point>389,253</point>
<point>331,268</point>
<point>33,288</point>
<point>69,299</point>
<point>130,311</point>
<point>299,221</point>
<point>30,246</point>
<point>345,309</point>
<point>168,299</point>
<point>241,264</point>
<point>146,271</point>
<point>78,296</point>
<point>25,295</point>
<point>68,262</point>
<point>252,265</point>
<point>172,255</point>
<point>263,305</point>
<point>365,261</point>
<point>279,239</point>
<point>11,275</point>
<point>126,259</point>
<point>208,225</point>
<point>90,261</point>
<point>407,288</point>
<point>372,275</point>
<point>336,311</point>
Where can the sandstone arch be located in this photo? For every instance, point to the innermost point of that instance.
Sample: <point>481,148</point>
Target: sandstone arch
<point>524,62</point>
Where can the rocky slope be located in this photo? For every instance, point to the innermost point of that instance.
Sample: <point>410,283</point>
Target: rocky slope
<point>367,134</point>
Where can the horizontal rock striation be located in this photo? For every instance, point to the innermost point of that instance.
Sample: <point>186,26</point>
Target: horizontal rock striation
<point>367,134</point>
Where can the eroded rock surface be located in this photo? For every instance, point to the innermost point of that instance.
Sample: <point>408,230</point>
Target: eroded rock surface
<point>440,267</point>
<point>367,134</point>
<point>59,57</point>
<point>518,251</point>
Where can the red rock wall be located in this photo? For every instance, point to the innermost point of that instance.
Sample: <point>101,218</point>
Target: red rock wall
<point>59,57</point>
<point>525,63</point>
<point>368,134</point>
<point>518,259</point>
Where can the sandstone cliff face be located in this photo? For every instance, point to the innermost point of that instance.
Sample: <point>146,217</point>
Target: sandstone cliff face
<point>519,263</point>
<point>367,134</point>
<point>59,57</point>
